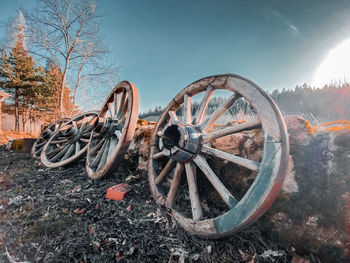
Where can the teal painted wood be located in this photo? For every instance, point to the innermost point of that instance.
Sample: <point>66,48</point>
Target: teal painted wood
<point>254,198</point>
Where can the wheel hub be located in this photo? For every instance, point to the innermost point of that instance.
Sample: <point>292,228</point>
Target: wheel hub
<point>47,134</point>
<point>180,141</point>
<point>71,132</point>
<point>106,126</point>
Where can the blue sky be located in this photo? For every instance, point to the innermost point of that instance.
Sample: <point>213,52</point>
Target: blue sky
<point>162,46</point>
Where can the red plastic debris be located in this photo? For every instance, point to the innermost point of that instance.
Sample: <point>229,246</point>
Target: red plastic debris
<point>91,231</point>
<point>117,192</point>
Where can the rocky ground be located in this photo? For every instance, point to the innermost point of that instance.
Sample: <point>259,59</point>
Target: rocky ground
<point>60,215</point>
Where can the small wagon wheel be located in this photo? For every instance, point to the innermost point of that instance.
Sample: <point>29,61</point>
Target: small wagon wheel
<point>114,130</point>
<point>45,136</point>
<point>69,143</point>
<point>182,147</point>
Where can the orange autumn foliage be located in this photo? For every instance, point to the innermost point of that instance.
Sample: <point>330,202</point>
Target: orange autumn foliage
<point>328,126</point>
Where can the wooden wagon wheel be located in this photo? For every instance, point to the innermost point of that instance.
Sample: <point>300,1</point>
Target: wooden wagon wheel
<point>182,147</point>
<point>114,130</point>
<point>69,143</point>
<point>45,136</point>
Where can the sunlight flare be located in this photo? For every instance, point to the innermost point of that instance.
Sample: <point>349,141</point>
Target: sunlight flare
<point>336,66</point>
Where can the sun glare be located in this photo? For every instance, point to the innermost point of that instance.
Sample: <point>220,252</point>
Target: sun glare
<point>336,66</point>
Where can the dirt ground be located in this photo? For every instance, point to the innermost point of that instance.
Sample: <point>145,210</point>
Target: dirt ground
<point>60,215</point>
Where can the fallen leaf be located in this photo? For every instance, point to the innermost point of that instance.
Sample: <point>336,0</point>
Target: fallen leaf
<point>130,177</point>
<point>131,251</point>
<point>209,249</point>
<point>96,244</point>
<point>273,253</point>
<point>75,189</point>
<point>298,259</point>
<point>118,254</point>
<point>252,260</point>
<point>79,211</point>
<point>195,257</point>
<point>150,214</point>
<point>91,231</point>
<point>243,255</point>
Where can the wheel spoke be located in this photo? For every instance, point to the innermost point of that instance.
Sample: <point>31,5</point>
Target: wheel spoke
<point>69,152</point>
<point>158,155</point>
<point>104,156</point>
<point>60,154</point>
<point>174,185</point>
<point>122,102</point>
<point>124,112</point>
<point>97,146</point>
<point>56,150</point>
<point>192,188</point>
<point>49,132</point>
<point>251,165</point>
<point>118,133</point>
<point>253,124</point>
<point>83,125</point>
<point>89,127</point>
<point>187,114</point>
<point>77,147</point>
<point>98,157</point>
<point>87,134</point>
<point>173,117</point>
<point>84,140</point>
<point>110,110</point>
<point>112,145</point>
<point>40,145</point>
<point>59,141</point>
<point>55,128</point>
<point>219,112</point>
<point>164,172</point>
<point>116,103</point>
<point>39,149</point>
<point>215,181</point>
<point>204,104</point>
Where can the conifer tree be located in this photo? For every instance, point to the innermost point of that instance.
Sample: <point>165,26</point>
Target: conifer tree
<point>19,77</point>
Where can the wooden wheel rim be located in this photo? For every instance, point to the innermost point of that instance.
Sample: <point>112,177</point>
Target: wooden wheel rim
<point>77,145</point>
<point>121,106</point>
<point>272,169</point>
<point>41,141</point>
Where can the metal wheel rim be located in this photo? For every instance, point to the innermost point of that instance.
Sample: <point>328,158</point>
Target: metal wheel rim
<point>111,138</point>
<point>69,147</point>
<point>43,139</point>
<point>272,171</point>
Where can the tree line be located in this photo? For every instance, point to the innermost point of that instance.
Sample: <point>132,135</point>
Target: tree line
<point>328,103</point>
<point>55,57</point>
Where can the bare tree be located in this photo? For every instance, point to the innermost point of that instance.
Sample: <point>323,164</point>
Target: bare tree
<point>67,30</point>
<point>91,68</point>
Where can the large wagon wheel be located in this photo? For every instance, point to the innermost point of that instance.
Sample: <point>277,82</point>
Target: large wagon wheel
<point>45,136</point>
<point>114,130</point>
<point>182,147</point>
<point>69,143</point>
